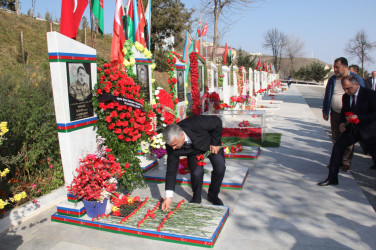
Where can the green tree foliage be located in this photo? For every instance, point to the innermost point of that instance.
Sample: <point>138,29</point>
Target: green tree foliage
<point>8,4</point>
<point>245,59</point>
<point>313,72</point>
<point>169,18</point>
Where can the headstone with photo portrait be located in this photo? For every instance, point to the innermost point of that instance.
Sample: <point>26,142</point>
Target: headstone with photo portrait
<point>73,75</point>
<point>181,88</point>
<point>143,70</point>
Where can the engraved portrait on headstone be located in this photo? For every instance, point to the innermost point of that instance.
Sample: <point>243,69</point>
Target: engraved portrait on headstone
<point>79,88</point>
<point>180,84</point>
<point>143,78</point>
<point>215,75</point>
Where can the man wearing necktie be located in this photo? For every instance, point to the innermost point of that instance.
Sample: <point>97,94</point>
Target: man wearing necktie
<point>191,137</point>
<point>371,81</point>
<point>362,103</point>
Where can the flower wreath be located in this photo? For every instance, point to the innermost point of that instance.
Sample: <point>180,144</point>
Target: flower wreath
<point>194,84</point>
<point>165,106</point>
<point>171,61</point>
<point>240,80</point>
<point>213,98</point>
<point>122,119</point>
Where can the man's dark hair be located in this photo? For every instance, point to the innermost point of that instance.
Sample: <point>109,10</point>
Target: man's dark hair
<point>78,69</point>
<point>355,67</point>
<point>350,78</point>
<point>343,61</point>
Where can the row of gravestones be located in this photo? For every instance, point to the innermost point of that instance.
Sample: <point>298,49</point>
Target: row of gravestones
<point>74,75</point>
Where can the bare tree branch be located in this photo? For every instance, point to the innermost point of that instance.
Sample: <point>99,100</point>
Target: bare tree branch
<point>294,49</point>
<point>360,47</point>
<point>276,41</point>
<point>217,9</point>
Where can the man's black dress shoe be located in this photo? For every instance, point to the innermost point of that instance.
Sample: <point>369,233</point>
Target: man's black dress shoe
<point>215,200</point>
<point>373,167</point>
<point>195,200</point>
<point>328,182</point>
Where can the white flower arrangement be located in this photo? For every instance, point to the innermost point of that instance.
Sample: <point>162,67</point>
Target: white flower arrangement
<point>157,141</point>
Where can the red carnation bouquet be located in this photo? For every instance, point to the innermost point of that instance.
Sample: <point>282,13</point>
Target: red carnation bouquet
<point>352,120</point>
<point>95,179</point>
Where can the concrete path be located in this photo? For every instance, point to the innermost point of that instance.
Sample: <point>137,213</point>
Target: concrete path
<point>280,206</point>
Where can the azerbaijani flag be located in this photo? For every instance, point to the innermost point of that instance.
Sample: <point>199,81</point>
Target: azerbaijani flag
<point>187,45</point>
<point>130,22</point>
<point>230,55</point>
<point>198,33</point>
<point>97,8</point>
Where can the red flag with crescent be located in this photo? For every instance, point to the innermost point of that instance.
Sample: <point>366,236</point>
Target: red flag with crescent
<point>71,14</point>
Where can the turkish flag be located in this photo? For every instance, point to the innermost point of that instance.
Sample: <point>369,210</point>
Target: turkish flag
<point>71,14</point>
<point>140,32</point>
<point>118,36</point>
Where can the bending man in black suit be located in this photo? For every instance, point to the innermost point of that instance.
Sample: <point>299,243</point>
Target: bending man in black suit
<point>191,137</point>
<point>362,103</point>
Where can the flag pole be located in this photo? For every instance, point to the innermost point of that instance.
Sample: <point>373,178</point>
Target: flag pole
<point>91,24</point>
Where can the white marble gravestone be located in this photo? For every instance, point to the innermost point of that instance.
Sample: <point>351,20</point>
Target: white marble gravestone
<point>213,77</point>
<point>235,90</point>
<point>227,88</point>
<point>73,75</point>
<point>256,81</point>
<point>250,81</point>
<point>264,79</point>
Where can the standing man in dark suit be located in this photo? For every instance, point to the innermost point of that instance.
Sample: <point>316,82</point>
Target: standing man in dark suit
<point>332,104</point>
<point>191,137</point>
<point>371,81</point>
<point>362,103</point>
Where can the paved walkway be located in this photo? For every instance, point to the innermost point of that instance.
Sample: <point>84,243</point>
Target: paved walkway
<point>280,206</point>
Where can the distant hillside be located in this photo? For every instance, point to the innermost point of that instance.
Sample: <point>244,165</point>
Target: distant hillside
<point>286,64</point>
<point>34,40</point>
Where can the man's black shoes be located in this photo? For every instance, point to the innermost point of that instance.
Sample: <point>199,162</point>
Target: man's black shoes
<point>373,167</point>
<point>215,200</point>
<point>328,182</point>
<point>195,200</point>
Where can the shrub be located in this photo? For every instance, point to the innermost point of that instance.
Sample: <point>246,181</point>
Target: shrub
<point>30,149</point>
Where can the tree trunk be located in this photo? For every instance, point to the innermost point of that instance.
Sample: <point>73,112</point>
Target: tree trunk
<point>22,48</point>
<point>18,10</point>
<point>215,40</point>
